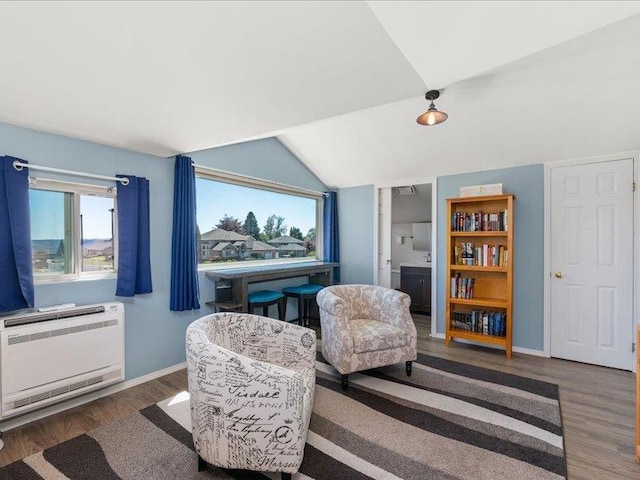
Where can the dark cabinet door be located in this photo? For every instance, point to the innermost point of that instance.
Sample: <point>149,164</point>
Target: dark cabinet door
<point>416,282</point>
<point>412,286</point>
<point>426,284</point>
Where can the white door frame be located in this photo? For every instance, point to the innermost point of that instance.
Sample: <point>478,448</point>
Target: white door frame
<point>548,167</point>
<point>434,237</point>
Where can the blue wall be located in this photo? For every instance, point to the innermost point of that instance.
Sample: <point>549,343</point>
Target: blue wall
<point>154,336</point>
<point>267,159</point>
<point>527,185</point>
<point>355,222</point>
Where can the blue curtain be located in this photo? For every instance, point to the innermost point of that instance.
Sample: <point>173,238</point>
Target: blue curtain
<point>134,256</point>
<point>330,232</point>
<point>16,268</point>
<point>185,293</point>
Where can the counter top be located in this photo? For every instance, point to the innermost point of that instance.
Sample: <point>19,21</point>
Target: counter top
<point>416,264</point>
<point>287,269</point>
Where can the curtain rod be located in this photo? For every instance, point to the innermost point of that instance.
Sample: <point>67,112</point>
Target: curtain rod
<point>19,166</point>
<point>261,180</point>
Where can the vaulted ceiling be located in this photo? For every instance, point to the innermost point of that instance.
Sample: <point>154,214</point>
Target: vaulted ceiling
<point>339,83</point>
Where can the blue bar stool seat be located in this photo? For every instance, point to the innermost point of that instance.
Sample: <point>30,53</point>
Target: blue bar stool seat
<point>305,294</point>
<point>266,298</point>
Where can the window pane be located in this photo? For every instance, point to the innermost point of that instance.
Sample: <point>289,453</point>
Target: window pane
<point>237,223</point>
<point>51,237</point>
<point>96,227</point>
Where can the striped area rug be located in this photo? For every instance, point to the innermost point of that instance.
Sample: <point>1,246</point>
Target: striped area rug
<point>447,421</point>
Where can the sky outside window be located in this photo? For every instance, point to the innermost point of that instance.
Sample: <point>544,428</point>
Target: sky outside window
<point>47,214</point>
<point>96,217</point>
<point>215,199</point>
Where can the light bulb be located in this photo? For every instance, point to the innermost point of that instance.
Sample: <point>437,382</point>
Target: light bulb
<point>431,119</point>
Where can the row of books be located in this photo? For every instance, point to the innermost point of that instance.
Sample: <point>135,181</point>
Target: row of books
<point>479,222</point>
<point>483,255</point>
<point>462,287</point>
<point>480,321</point>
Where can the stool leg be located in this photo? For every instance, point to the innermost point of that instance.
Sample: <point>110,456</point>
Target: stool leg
<point>202,465</point>
<point>307,311</point>
<point>300,311</point>
<point>265,311</point>
<point>282,309</point>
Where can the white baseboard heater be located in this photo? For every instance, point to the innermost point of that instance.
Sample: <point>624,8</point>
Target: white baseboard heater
<point>52,356</point>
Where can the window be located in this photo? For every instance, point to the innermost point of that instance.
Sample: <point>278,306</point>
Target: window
<point>241,219</point>
<point>72,230</point>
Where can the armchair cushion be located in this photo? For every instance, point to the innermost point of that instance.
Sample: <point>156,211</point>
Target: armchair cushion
<point>371,336</point>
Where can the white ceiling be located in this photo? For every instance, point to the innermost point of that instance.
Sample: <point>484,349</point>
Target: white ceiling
<point>574,100</point>
<point>340,83</point>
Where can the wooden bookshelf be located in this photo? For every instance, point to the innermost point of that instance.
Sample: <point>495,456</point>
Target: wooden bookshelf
<point>480,240</point>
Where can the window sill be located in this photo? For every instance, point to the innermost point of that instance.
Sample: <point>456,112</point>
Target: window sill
<point>73,278</point>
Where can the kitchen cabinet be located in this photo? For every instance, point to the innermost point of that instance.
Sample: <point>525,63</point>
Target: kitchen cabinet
<point>416,282</point>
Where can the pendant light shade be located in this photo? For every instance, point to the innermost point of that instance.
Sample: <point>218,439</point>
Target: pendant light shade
<point>432,116</point>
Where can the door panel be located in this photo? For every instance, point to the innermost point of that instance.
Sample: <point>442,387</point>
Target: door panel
<point>592,263</point>
<point>384,237</point>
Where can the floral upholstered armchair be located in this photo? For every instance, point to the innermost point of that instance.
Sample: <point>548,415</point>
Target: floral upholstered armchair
<point>251,386</point>
<point>366,326</point>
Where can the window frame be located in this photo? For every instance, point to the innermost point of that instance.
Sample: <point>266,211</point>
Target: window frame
<point>78,190</point>
<point>271,186</point>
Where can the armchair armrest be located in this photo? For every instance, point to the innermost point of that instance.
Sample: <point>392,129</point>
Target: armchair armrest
<point>337,313</point>
<point>337,346</point>
<point>395,308</point>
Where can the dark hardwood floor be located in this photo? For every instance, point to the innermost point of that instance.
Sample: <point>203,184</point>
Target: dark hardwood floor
<point>598,408</point>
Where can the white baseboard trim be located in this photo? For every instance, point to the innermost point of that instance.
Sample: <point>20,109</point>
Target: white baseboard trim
<point>526,351</point>
<point>89,397</point>
<point>530,351</point>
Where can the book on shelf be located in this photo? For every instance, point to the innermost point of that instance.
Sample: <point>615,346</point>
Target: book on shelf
<point>462,287</point>
<point>480,222</point>
<point>481,321</point>
<point>466,253</point>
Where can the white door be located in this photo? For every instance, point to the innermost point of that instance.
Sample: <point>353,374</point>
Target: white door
<point>384,237</point>
<point>592,263</point>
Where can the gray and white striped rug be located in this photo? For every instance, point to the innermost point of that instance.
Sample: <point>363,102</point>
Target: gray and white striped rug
<point>447,421</point>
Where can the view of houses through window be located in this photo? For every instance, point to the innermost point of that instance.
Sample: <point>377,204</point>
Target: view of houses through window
<point>72,230</point>
<point>240,223</point>
<point>51,241</point>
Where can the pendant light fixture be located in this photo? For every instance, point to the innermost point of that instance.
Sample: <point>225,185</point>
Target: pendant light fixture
<point>432,116</point>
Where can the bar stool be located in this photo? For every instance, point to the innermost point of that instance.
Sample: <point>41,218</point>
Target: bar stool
<point>266,298</point>
<point>305,294</point>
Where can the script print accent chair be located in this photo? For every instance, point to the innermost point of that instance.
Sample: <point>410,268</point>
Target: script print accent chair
<point>251,385</point>
<point>366,326</point>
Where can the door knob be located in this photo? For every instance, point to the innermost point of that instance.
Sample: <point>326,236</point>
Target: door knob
<point>558,274</point>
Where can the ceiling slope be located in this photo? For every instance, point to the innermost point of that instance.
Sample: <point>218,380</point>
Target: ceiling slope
<point>449,41</point>
<point>576,99</point>
<point>332,78</point>
<point>170,77</point>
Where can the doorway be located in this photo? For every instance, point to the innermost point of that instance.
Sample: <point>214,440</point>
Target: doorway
<point>405,241</point>
<point>591,259</point>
